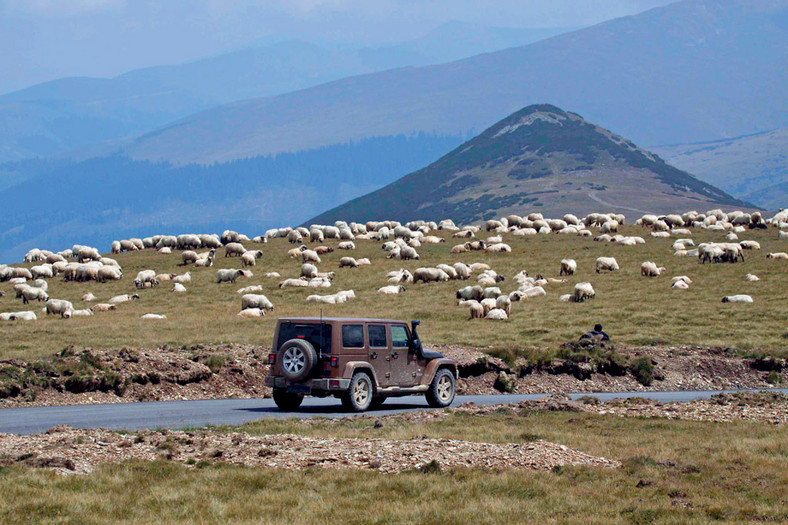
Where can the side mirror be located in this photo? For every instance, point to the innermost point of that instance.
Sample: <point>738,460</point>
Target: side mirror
<point>415,341</point>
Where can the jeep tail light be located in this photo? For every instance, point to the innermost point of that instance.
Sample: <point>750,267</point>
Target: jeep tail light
<point>333,383</point>
<point>334,361</point>
<point>271,358</point>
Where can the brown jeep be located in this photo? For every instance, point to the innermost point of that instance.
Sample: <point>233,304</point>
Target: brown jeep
<point>360,361</point>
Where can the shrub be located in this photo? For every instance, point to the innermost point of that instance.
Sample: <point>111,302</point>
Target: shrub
<point>643,370</point>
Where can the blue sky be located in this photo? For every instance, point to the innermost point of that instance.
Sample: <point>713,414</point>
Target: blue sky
<point>46,39</point>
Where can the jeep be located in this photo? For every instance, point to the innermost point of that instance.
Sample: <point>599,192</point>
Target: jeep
<point>360,361</point>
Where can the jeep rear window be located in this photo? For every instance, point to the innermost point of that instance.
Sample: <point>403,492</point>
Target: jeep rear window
<point>309,332</point>
<point>353,336</point>
<point>377,335</point>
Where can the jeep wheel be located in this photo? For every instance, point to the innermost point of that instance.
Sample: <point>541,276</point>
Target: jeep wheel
<point>358,398</point>
<point>298,357</point>
<point>441,391</point>
<point>287,401</point>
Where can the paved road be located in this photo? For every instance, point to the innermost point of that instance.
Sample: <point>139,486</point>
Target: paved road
<point>180,414</point>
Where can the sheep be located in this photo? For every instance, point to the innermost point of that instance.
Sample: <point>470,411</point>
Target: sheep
<point>479,267</point>
<point>650,269</point>
<point>109,273</point>
<point>256,301</point>
<point>492,292</point>
<point>87,253</point>
<point>31,293</point>
<point>165,250</point>
<point>153,316</point>
<point>498,248</point>
<point>310,256</point>
<point>460,248</point>
<point>40,283</point>
<point>250,289</point>
<point>178,288</point>
<point>348,262</point>
<point>568,267</point>
<point>683,278</point>
<point>59,306</point>
<point>681,285</point>
<point>316,235</point>
<point>606,264</point>
<point>228,276</point>
<point>400,276</point>
<point>782,235</point>
<point>450,271</point>
<point>392,289</point>
<point>234,248</point>
<point>271,274</point>
<point>497,314</point>
<point>346,245</point>
<point>749,245</point>
<point>103,307</point>
<point>88,297</point>
<point>308,270</point>
<point>189,257</point>
<point>428,275</point>
<point>182,279</point>
<point>122,299</point>
<point>583,292</point>
<point>751,277</point>
<point>161,277</point>
<point>471,292</point>
<point>42,271</point>
<point>737,299</point>
<point>249,258</point>
<point>319,282</point>
<point>299,283</point>
<point>534,291</point>
<point>252,312</point>
<point>12,273</point>
<point>778,256</point>
<point>144,278</point>
<point>204,263</point>
<point>321,250</point>
<point>488,303</point>
<point>463,270</point>
<point>167,241</point>
<point>504,303</point>
<point>476,310</point>
<point>18,316</point>
<point>87,312</point>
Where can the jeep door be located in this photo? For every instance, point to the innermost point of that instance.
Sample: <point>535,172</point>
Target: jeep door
<point>380,353</point>
<point>406,369</point>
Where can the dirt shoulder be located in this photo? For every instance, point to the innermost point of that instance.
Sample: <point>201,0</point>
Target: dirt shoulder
<point>237,371</point>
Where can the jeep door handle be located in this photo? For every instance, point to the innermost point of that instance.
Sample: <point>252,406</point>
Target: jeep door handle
<point>395,355</point>
<point>373,355</point>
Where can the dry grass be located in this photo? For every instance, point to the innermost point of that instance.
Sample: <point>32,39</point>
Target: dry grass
<point>674,472</point>
<point>633,309</point>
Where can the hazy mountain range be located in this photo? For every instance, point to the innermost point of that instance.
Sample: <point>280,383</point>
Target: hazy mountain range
<point>55,117</point>
<point>540,158</point>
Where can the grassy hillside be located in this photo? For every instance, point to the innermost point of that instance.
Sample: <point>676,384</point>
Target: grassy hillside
<point>540,156</point>
<point>634,310</point>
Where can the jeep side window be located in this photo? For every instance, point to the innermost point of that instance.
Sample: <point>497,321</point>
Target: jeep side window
<point>377,335</point>
<point>399,337</point>
<point>353,336</point>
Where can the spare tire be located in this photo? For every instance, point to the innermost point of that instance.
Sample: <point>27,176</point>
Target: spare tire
<point>297,357</point>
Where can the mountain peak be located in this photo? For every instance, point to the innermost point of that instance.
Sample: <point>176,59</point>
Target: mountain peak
<point>539,157</point>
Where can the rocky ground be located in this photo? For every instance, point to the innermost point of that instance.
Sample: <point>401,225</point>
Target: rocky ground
<point>69,450</point>
<point>237,371</point>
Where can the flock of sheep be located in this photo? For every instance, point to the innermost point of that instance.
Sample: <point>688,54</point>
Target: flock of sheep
<point>485,299</point>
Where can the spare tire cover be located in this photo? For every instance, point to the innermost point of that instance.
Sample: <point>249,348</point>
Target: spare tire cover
<point>297,357</point>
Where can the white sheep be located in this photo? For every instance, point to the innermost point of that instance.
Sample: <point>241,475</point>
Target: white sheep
<point>234,248</point>
<point>249,258</point>
<point>256,301</point>
<point>606,264</point>
<point>122,299</point>
<point>182,279</point>
<point>650,269</point>
<point>59,306</point>
<point>308,270</point>
<point>400,276</point>
<point>348,262</point>
<point>503,302</point>
<point>18,316</point>
<point>741,298</point>
<point>682,285</point>
<point>250,289</point>
<point>497,314</point>
<point>583,292</point>
<point>153,316</point>
<point>429,275</point>
<point>681,278</point>
<point>476,310</point>
<point>228,276</point>
<point>87,312</point>
<point>189,257</point>
<point>751,277</point>
<point>391,289</point>
<point>568,267</point>
<point>778,256</point>
<point>297,283</point>
<point>252,312</point>
<point>88,297</point>
<point>144,278</point>
<point>178,288</point>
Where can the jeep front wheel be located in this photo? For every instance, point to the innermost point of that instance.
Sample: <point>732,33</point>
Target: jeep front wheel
<point>287,401</point>
<point>359,395</point>
<point>441,391</point>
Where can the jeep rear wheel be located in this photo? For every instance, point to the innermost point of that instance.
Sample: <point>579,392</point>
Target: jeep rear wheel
<point>359,395</point>
<point>297,359</point>
<point>442,389</point>
<point>287,401</point>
